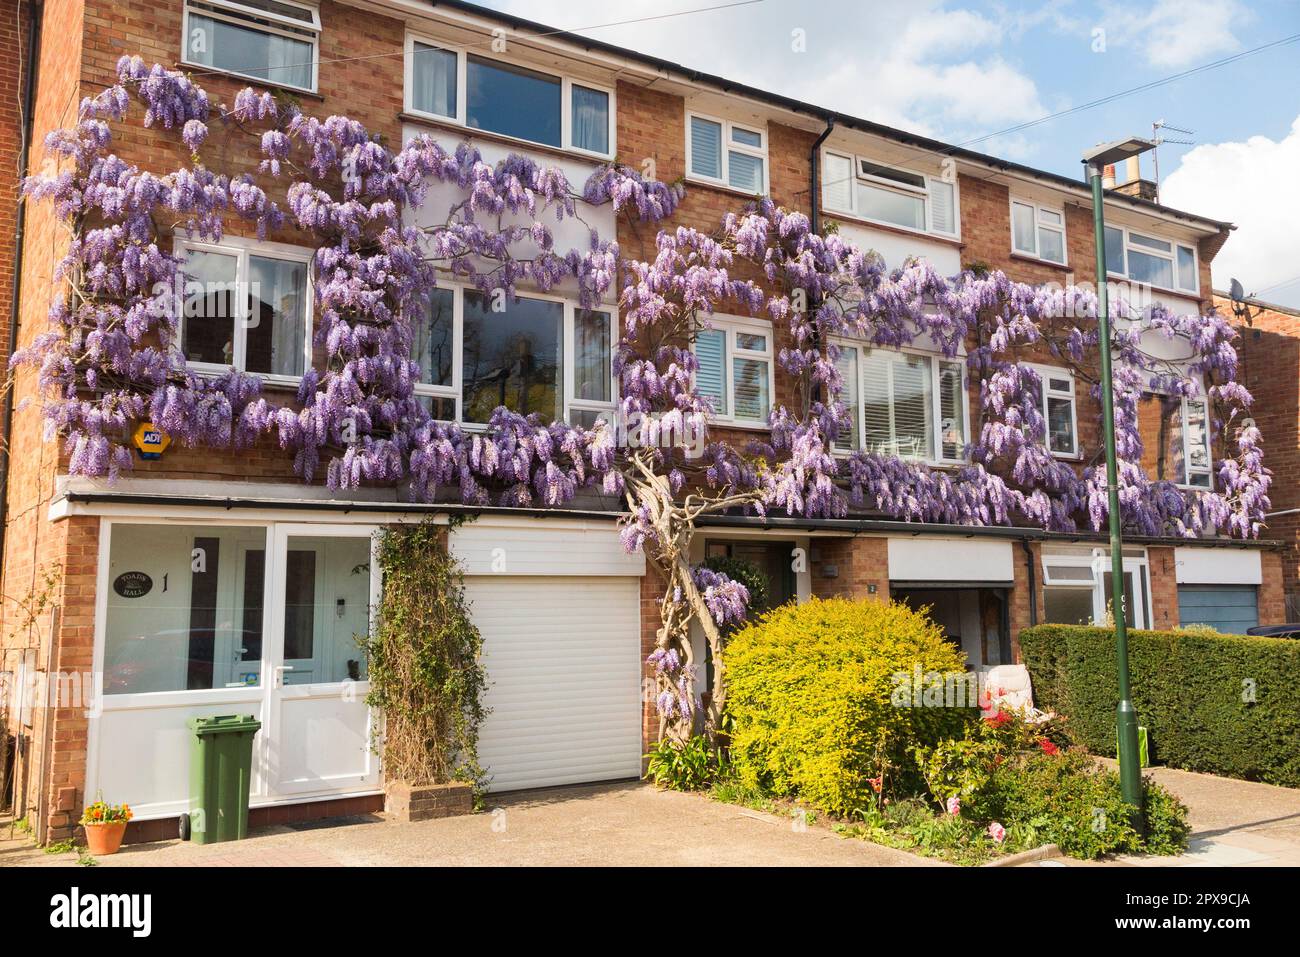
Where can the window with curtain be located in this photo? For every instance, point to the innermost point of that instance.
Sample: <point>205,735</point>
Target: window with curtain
<point>591,356</point>
<point>278,45</point>
<point>433,80</point>
<point>590,119</point>
<point>1037,231</point>
<point>276,341</point>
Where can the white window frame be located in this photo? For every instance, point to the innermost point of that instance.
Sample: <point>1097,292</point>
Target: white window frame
<point>936,400</point>
<point>278,25</point>
<point>728,147</point>
<point>1171,257</point>
<point>242,249</point>
<point>1038,209</point>
<point>1188,471</point>
<point>455,391</point>
<point>857,159</point>
<point>1099,564</point>
<point>1057,372</point>
<point>567,83</point>
<point>733,326</point>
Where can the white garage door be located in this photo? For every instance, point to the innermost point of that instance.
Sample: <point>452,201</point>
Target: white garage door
<point>563,660</point>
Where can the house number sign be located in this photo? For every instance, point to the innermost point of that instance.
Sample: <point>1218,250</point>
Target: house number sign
<point>132,584</point>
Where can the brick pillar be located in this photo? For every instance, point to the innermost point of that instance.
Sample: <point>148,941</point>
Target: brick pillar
<point>855,567</point>
<point>652,590</point>
<point>1019,616</point>
<point>1272,593</point>
<point>1164,588</point>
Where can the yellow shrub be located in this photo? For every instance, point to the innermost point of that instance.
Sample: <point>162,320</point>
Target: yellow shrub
<point>814,704</point>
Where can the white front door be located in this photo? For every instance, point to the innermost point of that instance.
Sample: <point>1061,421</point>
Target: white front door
<point>324,587</point>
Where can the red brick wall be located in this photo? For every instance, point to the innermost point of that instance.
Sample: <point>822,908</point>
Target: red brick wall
<point>1164,588</point>
<point>850,567</point>
<point>1269,351</point>
<point>15,58</point>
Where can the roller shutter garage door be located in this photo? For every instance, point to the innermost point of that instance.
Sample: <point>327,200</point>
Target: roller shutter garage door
<point>563,661</point>
<point>1229,608</point>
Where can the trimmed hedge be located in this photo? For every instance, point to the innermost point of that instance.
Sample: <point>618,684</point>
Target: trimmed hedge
<point>1224,704</point>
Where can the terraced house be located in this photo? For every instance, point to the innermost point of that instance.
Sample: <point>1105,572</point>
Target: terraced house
<point>100,579</point>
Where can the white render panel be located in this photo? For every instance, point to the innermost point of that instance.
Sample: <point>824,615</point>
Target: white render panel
<point>1217,566</point>
<point>563,661</point>
<point>543,547</point>
<point>895,247</point>
<point>931,559</point>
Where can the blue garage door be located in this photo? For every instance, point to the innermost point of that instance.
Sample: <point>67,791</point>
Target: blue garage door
<point>1229,608</point>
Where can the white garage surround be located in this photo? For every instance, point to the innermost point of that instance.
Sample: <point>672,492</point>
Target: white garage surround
<point>558,605</point>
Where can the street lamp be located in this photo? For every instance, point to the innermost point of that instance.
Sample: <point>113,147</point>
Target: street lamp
<point>1130,773</point>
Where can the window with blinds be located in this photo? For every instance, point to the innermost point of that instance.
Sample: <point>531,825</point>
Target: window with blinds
<point>911,406</point>
<point>727,153</point>
<point>734,370</point>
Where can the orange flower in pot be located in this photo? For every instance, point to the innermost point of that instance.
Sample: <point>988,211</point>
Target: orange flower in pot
<point>105,826</point>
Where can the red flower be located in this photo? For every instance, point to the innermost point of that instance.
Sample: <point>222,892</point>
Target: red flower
<point>1048,747</point>
<point>998,720</point>
<point>876,783</point>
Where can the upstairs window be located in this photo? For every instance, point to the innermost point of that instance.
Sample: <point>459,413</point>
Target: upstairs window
<point>1151,260</point>
<point>1059,408</point>
<point>273,41</point>
<point>727,153</point>
<point>246,306</point>
<point>883,193</point>
<point>1038,231</point>
<point>495,96</point>
<point>903,404</point>
<point>543,355</point>
<point>1184,449</point>
<point>735,370</point>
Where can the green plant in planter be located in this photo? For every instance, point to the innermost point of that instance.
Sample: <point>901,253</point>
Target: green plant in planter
<point>748,574</point>
<point>426,673</point>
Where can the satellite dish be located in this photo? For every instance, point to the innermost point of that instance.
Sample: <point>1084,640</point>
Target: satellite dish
<point>1236,291</point>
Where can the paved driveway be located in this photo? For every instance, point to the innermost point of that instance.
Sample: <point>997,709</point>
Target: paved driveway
<point>630,824</point>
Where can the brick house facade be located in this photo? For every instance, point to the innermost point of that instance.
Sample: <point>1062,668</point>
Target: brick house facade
<point>63,536</point>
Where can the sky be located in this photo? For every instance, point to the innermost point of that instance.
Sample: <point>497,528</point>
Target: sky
<point>960,71</point>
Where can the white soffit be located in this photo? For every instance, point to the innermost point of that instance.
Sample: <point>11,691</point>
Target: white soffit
<point>1217,566</point>
<point>932,559</point>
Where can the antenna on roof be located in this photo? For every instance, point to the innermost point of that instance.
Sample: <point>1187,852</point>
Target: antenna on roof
<point>1241,302</point>
<point>1159,138</point>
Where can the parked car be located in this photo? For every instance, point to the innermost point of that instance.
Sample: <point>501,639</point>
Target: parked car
<point>1275,631</point>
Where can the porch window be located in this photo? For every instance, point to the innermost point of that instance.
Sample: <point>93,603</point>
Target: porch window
<point>270,40</point>
<point>184,608</point>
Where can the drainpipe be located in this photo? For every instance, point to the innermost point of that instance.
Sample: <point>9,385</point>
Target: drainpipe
<point>20,228</point>
<point>1033,581</point>
<point>814,202</point>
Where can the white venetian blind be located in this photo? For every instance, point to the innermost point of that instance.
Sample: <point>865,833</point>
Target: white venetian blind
<point>943,212</point>
<point>897,404</point>
<point>837,182</point>
<point>710,378</point>
<point>706,148</point>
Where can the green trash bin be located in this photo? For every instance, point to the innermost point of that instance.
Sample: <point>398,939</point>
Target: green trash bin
<point>221,764</point>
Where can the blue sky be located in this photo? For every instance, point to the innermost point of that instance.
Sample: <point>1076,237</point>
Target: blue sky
<point>963,69</point>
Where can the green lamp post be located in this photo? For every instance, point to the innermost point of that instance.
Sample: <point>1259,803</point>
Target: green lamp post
<point>1130,772</point>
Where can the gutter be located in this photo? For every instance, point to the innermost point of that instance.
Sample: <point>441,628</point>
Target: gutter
<point>847,526</point>
<point>20,230</point>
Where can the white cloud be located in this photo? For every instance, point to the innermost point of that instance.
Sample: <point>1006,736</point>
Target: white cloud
<point>924,67</point>
<point>1172,34</point>
<point>1254,185</point>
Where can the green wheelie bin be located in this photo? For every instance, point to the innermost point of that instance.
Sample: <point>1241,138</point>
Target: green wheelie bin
<point>221,764</point>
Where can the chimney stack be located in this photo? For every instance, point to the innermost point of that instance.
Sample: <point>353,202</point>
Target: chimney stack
<point>1108,176</point>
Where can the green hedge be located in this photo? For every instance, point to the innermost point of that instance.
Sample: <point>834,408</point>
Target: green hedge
<point>1224,704</point>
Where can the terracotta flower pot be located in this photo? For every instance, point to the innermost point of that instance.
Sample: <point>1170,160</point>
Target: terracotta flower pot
<point>104,839</point>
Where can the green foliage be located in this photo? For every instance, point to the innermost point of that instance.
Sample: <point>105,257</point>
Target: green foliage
<point>1224,704</point>
<point>748,574</point>
<point>426,673</point>
<point>810,691</point>
<point>685,766</point>
<point>1067,799</point>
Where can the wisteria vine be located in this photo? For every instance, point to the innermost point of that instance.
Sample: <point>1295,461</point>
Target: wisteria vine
<point>111,357</point>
